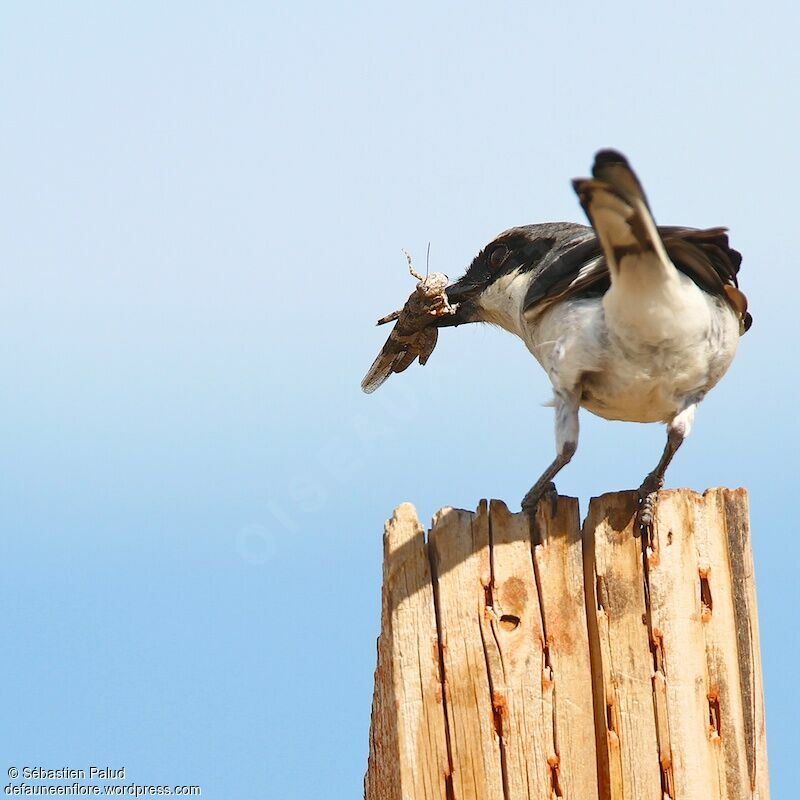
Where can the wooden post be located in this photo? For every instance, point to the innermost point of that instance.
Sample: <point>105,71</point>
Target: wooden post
<point>530,659</point>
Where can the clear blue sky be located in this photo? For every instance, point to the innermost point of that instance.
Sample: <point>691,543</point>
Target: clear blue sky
<point>202,212</point>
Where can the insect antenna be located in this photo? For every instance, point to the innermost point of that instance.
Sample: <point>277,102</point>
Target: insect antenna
<point>428,262</point>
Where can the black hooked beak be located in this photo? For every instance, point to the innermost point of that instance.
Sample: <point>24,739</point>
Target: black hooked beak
<point>460,294</point>
<point>462,290</point>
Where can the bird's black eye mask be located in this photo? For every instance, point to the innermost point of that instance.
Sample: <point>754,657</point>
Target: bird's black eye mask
<point>505,256</point>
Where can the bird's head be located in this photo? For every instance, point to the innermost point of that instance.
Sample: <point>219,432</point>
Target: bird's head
<point>511,258</point>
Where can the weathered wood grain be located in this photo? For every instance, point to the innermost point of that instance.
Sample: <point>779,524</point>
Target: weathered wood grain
<point>558,563</point>
<point>678,619</point>
<point>459,545</point>
<point>408,757</point>
<point>513,642</point>
<point>736,694</point>
<point>628,745</point>
<point>523,659</point>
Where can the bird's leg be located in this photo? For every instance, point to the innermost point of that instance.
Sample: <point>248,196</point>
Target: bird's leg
<point>677,431</point>
<point>566,404</point>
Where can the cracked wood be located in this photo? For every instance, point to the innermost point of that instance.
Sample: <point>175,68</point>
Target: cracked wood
<point>523,658</point>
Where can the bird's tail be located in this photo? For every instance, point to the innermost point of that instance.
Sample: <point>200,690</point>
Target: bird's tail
<point>616,205</point>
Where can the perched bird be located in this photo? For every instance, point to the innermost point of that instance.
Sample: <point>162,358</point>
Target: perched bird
<point>630,321</point>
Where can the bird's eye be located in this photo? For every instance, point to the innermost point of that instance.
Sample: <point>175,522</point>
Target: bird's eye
<point>498,256</point>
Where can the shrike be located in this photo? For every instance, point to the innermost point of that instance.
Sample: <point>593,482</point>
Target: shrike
<point>630,321</point>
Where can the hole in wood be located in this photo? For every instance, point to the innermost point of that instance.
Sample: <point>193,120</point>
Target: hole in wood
<point>610,717</point>
<point>499,709</point>
<point>706,601</point>
<point>555,781</point>
<point>508,622</point>
<point>487,596</point>
<point>714,716</point>
<point>599,589</point>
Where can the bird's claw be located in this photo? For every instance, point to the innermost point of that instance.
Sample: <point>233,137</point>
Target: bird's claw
<point>647,510</point>
<point>648,495</point>
<point>546,491</point>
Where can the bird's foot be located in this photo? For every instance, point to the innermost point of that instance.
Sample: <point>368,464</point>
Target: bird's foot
<point>648,495</point>
<point>541,491</point>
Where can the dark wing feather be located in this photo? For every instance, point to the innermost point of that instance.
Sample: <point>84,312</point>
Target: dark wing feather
<point>575,268</point>
<point>579,269</point>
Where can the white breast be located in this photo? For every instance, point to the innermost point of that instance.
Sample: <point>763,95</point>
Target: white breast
<point>637,354</point>
<point>636,361</point>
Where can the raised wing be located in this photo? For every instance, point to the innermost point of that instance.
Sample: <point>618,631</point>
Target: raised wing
<point>614,200</point>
